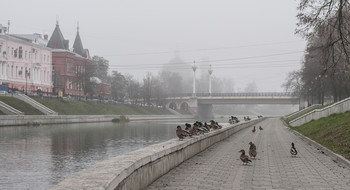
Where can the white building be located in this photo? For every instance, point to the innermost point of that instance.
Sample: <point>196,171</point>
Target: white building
<point>25,62</point>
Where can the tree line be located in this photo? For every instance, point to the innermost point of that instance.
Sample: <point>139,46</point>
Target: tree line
<point>325,72</point>
<point>155,87</point>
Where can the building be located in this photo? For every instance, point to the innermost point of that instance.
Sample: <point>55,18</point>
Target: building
<point>70,73</point>
<point>25,62</point>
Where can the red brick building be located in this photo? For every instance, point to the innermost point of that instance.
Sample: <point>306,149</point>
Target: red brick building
<point>69,67</point>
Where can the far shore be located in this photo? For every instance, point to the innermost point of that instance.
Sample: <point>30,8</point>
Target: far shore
<point>34,120</point>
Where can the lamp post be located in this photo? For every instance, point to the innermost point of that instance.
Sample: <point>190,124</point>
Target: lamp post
<point>194,68</point>
<point>210,71</point>
<point>26,75</point>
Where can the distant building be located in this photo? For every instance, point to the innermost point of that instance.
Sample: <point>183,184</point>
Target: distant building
<point>70,67</point>
<point>25,62</point>
<point>103,91</point>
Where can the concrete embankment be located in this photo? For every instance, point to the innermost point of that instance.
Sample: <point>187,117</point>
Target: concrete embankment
<point>138,169</point>
<point>338,107</point>
<point>20,120</point>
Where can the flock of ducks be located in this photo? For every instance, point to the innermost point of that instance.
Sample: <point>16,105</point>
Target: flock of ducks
<point>199,128</point>
<point>233,120</point>
<point>196,128</point>
<point>252,151</point>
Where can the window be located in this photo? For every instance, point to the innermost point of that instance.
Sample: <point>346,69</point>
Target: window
<point>12,52</point>
<point>16,72</point>
<point>44,58</point>
<point>25,54</point>
<point>20,52</point>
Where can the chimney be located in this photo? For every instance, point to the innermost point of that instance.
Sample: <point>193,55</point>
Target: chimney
<point>46,37</point>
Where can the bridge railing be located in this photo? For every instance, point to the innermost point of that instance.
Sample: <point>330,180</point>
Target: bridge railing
<point>240,94</point>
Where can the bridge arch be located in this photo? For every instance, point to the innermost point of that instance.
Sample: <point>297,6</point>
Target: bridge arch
<point>172,105</point>
<point>184,106</point>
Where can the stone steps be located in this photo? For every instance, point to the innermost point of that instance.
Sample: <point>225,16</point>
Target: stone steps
<point>35,104</point>
<point>9,110</point>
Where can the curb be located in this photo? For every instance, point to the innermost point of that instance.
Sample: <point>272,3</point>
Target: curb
<point>336,157</point>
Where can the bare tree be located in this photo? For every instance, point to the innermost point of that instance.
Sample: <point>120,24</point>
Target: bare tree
<point>294,83</point>
<point>329,19</point>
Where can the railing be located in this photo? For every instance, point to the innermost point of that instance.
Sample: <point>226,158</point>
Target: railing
<point>238,94</point>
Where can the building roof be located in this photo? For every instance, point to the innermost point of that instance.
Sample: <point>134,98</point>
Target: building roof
<point>57,40</point>
<point>33,38</point>
<point>78,46</point>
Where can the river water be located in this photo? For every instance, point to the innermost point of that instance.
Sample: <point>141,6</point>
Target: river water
<point>40,157</point>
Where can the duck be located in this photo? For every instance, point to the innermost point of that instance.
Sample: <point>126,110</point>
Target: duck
<point>213,125</point>
<point>180,133</point>
<point>188,126</point>
<point>194,129</point>
<point>260,128</point>
<point>252,150</point>
<point>293,150</point>
<point>245,159</point>
<point>207,126</point>
<point>217,124</point>
<point>253,130</point>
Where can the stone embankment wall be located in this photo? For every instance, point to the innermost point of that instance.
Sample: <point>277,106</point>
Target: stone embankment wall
<point>138,169</point>
<point>338,107</point>
<point>301,112</point>
<point>18,120</point>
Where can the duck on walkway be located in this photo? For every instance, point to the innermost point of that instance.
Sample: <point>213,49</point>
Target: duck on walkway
<point>252,150</point>
<point>260,128</point>
<point>253,130</point>
<point>245,159</point>
<point>293,150</point>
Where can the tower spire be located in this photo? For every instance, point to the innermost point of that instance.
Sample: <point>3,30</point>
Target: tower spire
<point>57,20</point>
<point>78,26</point>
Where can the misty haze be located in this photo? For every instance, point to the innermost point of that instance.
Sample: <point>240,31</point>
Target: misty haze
<point>82,82</point>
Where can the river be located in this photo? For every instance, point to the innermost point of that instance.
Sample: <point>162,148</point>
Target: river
<point>40,157</point>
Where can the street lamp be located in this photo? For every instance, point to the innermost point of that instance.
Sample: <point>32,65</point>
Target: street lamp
<point>210,71</point>
<point>194,68</point>
<point>26,75</point>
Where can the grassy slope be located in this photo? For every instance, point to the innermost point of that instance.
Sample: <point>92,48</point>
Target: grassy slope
<point>20,105</point>
<point>332,132</point>
<point>73,107</point>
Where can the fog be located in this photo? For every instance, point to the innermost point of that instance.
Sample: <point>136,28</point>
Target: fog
<point>250,42</point>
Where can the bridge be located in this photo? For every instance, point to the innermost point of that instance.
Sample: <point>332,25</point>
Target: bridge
<point>201,103</point>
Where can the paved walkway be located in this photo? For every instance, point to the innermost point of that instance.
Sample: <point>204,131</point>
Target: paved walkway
<point>219,167</point>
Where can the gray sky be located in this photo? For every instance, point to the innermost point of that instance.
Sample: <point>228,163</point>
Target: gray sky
<point>249,41</point>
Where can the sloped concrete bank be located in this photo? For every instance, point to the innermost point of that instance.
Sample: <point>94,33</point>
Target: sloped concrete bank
<point>20,120</point>
<point>338,107</point>
<point>301,112</point>
<point>138,169</point>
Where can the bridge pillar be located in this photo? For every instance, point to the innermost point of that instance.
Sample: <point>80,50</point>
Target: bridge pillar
<point>193,105</point>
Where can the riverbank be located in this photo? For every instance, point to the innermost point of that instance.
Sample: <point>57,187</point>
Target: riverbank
<point>333,132</point>
<point>35,120</point>
<point>75,107</point>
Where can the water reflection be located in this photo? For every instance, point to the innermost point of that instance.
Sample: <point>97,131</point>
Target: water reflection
<point>40,157</point>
